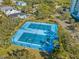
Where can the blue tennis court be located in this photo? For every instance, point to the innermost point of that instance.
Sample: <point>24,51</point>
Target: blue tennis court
<point>32,38</point>
<point>40,26</point>
<point>36,35</point>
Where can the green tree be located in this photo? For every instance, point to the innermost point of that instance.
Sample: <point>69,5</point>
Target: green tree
<point>43,11</point>
<point>7,2</point>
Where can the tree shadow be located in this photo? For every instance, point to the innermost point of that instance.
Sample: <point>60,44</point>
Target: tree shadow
<point>46,55</point>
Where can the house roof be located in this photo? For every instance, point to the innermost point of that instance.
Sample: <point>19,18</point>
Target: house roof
<point>20,2</point>
<point>16,14</point>
<point>6,8</point>
<point>1,1</point>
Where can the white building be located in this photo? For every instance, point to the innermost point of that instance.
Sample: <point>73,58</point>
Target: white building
<point>1,1</point>
<point>19,15</point>
<point>9,10</point>
<point>12,12</point>
<point>21,3</point>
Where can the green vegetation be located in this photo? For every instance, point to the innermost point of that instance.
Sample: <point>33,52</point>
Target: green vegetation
<point>56,42</point>
<point>68,49</point>
<point>19,54</point>
<point>7,2</point>
<point>7,26</point>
